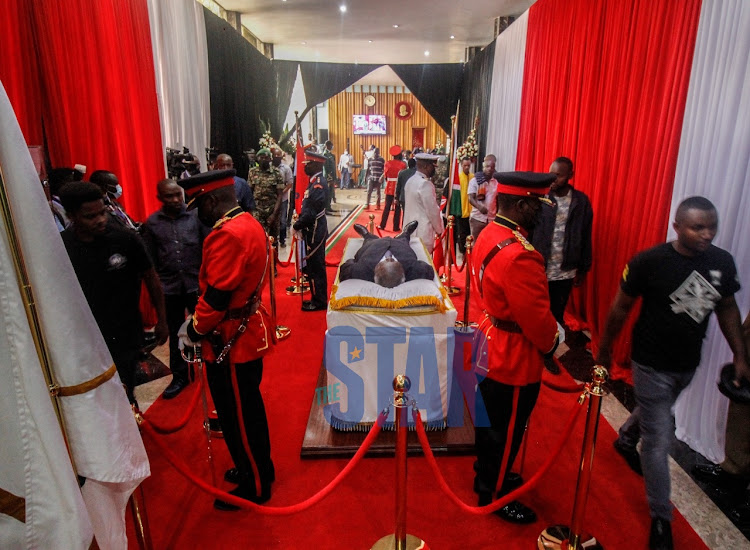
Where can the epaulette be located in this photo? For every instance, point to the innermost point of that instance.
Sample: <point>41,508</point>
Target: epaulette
<point>521,239</point>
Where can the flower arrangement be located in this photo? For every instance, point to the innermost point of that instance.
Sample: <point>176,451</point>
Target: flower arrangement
<point>470,148</point>
<point>267,140</point>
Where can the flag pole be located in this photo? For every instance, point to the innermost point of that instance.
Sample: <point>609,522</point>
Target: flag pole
<point>32,315</point>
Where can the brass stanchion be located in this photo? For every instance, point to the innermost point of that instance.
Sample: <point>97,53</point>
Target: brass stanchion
<point>299,286</point>
<point>400,540</point>
<point>140,518</point>
<point>447,279</point>
<point>371,224</point>
<point>467,285</point>
<point>572,538</point>
<point>281,330</point>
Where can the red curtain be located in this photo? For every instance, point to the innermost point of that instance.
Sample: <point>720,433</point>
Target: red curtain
<point>605,84</point>
<point>100,105</point>
<point>19,71</point>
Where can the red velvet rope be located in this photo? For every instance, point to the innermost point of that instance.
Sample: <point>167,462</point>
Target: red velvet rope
<point>564,388</point>
<point>452,249</point>
<point>380,234</point>
<point>172,428</point>
<point>291,253</point>
<point>513,495</point>
<point>187,472</point>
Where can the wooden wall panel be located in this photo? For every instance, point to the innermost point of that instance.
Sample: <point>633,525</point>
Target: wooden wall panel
<point>344,105</point>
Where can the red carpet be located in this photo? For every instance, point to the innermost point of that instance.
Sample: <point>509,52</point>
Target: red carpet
<point>360,511</point>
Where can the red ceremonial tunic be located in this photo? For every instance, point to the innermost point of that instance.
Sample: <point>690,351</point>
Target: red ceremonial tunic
<point>514,289</point>
<point>234,258</point>
<point>392,168</point>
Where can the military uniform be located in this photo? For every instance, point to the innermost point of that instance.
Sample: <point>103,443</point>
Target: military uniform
<point>312,222</point>
<point>266,186</point>
<point>329,171</point>
<point>232,271</point>
<point>518,329</point>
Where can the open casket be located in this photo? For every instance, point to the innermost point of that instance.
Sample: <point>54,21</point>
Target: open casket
<point>375,333</point>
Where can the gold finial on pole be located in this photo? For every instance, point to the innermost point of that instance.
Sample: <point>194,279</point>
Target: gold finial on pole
<point>561,537</point>
<point>281,330</point>
<point>371,224</point>
<point>400,540</point>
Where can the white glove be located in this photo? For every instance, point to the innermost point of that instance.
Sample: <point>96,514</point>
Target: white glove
<point>561,334</point>
<point>182,334</point>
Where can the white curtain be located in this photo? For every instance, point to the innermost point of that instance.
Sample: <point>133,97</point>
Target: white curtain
<point>178,37</point>
<point>505,101</point>
<point>714,161</point>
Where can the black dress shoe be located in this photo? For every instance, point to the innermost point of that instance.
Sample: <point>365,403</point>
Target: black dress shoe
<point>661,535</point>
<point>310,306</point>
<point>232,475</point>
<point>177,384</point>
<point>630,455</point>
<point>408,229</point>
<point>241,492</point>
<point>551,364</point>
<point>515,512</point>
<point>361,230</point>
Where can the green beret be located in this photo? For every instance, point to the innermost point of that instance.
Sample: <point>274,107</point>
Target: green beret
<point>264,151</point>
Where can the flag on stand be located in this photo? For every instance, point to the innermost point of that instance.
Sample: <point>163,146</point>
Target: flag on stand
<point>102,434</point>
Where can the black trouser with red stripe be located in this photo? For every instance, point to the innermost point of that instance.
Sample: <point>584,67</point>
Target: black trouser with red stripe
<point>249,376</point>
<point>490,441</point>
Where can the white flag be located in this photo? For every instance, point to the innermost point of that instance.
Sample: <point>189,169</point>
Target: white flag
<point>103,436</point>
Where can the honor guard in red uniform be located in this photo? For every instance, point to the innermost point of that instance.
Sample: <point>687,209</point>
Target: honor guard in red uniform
<point>314,226</point>
<point>517,332</point>
<point>230,317</point>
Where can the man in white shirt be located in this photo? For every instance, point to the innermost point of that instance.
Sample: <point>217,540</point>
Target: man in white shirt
<point>482,192</point>
<point>420,203</point>
<point>288,177</point>
<point>345,161</point>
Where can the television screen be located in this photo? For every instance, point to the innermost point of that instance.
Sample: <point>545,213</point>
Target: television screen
<point>369,124</point>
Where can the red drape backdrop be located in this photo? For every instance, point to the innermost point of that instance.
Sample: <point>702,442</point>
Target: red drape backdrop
<point>613,102</point>
<point>19,71</point>
<point>100,105</point>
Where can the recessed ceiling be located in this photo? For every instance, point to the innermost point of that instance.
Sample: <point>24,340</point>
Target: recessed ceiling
<point>317,30</point>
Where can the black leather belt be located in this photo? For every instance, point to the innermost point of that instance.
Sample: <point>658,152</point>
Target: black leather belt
<point>507,326</point>
<point>242,312</point>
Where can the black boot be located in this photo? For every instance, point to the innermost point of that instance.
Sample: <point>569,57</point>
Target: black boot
<point>179,383</point>
<point>361,230</point>
<point>408,229</point>
<point>661,535</point>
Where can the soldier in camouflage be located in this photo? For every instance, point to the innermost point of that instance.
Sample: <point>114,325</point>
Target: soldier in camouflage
<point>267,184</point>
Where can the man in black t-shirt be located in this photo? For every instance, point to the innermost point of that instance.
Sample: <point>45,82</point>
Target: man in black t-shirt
<point>110,263</point>
<point>681,283</point>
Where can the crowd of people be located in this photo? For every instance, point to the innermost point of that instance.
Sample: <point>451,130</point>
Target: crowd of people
<point>203,264</point>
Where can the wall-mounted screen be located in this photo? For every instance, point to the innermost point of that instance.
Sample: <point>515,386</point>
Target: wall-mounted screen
<point>369,124</point>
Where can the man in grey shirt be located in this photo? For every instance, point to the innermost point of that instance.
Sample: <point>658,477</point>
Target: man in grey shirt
<point>174,238</point>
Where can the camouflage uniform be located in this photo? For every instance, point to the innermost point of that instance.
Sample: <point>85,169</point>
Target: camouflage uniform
<point>438,179</point>
<point>266,186</point>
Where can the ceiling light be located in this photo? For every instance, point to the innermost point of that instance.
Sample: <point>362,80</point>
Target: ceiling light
<point>395,26</point>
<point>342,8</point>
<point>427,53</point>
<point>303,43</point>
<point>452,37</point>
<point>369,41</point>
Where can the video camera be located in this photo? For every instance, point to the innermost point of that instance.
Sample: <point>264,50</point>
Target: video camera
<point>179,162</point>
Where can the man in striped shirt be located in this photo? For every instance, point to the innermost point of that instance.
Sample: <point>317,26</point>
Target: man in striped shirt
<point>376,167</point>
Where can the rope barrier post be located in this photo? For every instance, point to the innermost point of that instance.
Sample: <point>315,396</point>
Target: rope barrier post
<point>137,504</point>
<point>299,286</point>
<point>572,538</point>
<point>400,540</point>
<point>371,224</point>
<point>447,279</point>
<point>281,330</point>
<point>467,286</point>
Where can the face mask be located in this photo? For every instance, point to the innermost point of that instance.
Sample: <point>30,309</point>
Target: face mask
<point>265,164</point>
<point>116,193</point>
<point>276,161</point>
